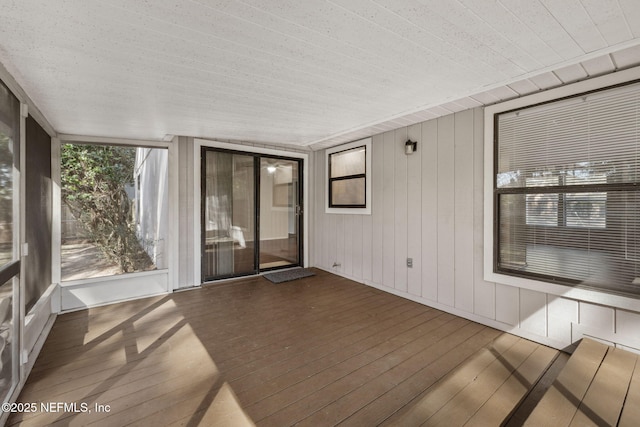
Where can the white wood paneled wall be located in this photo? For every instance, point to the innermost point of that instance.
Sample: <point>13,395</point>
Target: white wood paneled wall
<point>187,193</point>
<point>429,207</point>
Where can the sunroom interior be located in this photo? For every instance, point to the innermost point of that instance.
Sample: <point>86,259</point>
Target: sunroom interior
<point>479,159</point>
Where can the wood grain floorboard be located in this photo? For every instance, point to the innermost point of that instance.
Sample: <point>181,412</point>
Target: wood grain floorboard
<point>319,351</point>
<point>408,391</point>
<point>358,371</point>
<point>330,346</point>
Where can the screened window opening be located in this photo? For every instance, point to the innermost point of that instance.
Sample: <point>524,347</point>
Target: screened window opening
<point>9,255</point>
<point>114,210</point>
<point>347,178</point>
<point>566,196</point>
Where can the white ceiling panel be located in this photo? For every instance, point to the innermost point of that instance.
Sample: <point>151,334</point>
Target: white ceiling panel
<point>305,73</point>
<point>539,19</point>
<point>524,87</point>
<point>598,66</point>
<point>571,73</point>
<point>526,45</point>
<point>468,102</point>
<point>485,98</point>
<point>576,21</point>
<point>627,57</point>
<point>546,80</point>
<point>631,11</point>
<point>609,19</point>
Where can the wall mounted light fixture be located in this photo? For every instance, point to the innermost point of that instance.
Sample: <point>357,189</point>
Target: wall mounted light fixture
<point>410,146</point>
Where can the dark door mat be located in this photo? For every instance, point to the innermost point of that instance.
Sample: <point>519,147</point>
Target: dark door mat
<point>288,275</point>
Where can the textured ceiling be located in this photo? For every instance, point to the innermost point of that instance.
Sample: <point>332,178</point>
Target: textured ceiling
<point>312,73</point>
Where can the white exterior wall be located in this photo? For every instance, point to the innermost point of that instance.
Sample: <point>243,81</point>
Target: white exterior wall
<point>152,169</point>
<point>274,221</point>
<point>429,206</point>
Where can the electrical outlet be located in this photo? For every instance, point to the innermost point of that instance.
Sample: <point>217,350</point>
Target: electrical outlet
<point>410,262</point>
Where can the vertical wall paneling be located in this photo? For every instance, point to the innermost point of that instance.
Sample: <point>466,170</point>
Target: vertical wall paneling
<point>507,304</point>
<point>187,275</point>
<point>429,206</point>
<point>330,241</point>
<point>310,195</point>
<point>388,211</point>
<point>367,246</point>
<point>414,212</point>
<point>377,211</point>
<point>533,312</point>
<point>366,227</point>
<point>561,312</point>
<point>484,292</point>
<point>627,324</point>
<point>349,246</point>
<point>446,210</point>
<point>400,205</point>
<point>463,197</point>
<point>356,238</point>
<point>319,218</point>
<point>596,316</point>
<point>174,214</point>
<point>324,223</point>
<point>338,233</point>
<point>323,227</point>
<point>429,158</point>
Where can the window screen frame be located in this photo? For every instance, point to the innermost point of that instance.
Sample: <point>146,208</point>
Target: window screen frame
<point>364,209</point>
<point>490,221</point>
<point>347,178</point>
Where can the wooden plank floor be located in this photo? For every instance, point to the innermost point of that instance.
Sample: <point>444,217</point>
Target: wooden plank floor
<point>319,351</point>
<point>599,386</point>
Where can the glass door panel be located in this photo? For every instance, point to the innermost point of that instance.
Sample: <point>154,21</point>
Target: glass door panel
<point>228,203</point>
<point>280,213</point>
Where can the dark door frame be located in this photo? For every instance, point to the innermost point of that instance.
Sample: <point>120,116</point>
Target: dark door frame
<point>299,211</point>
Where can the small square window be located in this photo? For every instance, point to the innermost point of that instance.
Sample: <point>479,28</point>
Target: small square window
<point>348,183</point>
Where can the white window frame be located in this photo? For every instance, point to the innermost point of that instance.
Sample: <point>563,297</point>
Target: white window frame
<point>590,295</point>
<point>97,291</point>
<point>367,185</point>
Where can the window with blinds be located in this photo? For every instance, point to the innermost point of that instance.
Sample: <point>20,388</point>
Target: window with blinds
<point>567,190</point>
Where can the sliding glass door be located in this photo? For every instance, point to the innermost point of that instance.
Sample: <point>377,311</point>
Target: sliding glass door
<point>279,213</point>
<point>251,215</point>
<point>228,201</point>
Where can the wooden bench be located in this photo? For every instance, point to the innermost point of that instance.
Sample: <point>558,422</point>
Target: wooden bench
<point>600,386</point>
<point>484,390</point>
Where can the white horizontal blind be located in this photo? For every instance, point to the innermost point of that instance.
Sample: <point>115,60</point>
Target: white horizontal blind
<point>567,193</point>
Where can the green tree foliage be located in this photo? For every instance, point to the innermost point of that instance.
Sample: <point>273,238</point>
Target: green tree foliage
<point>93,182</point>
